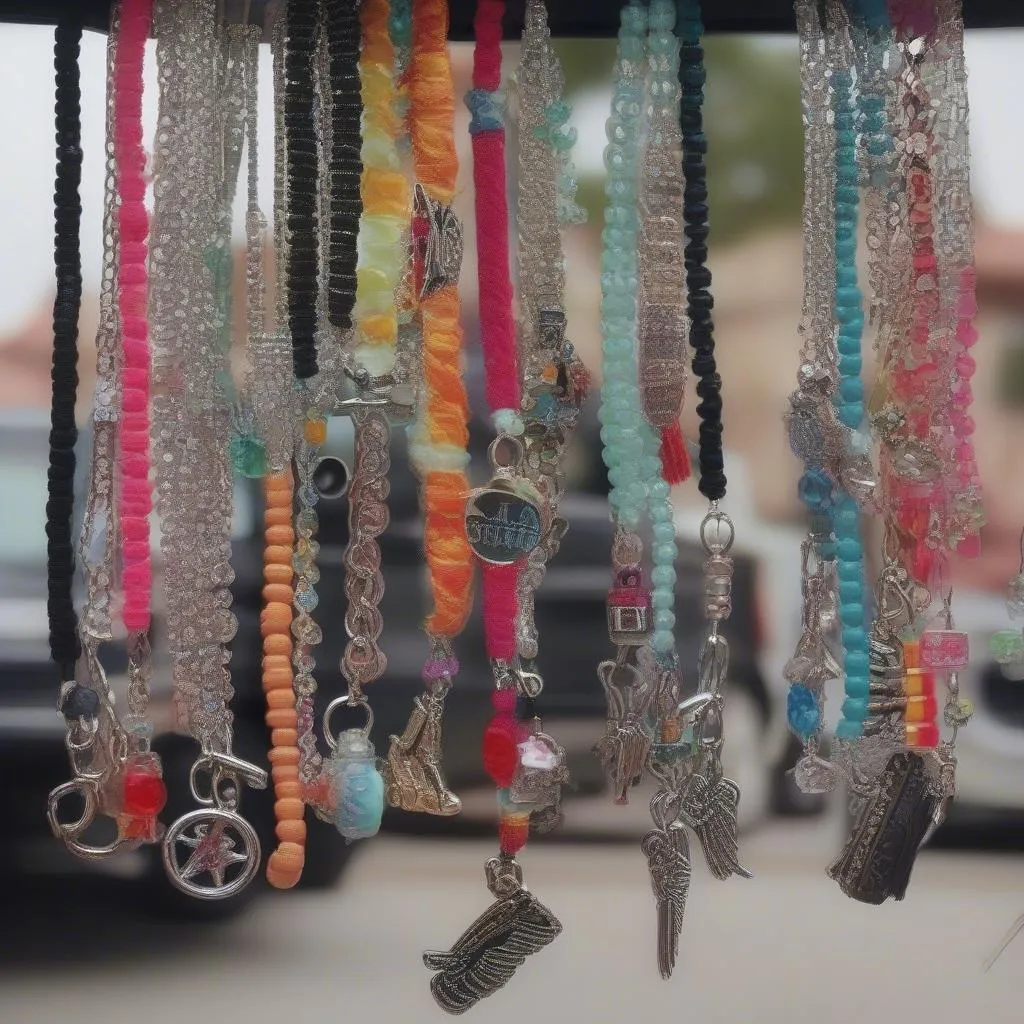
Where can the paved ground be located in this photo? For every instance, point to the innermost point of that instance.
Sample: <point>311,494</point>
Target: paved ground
<point>784,947</point>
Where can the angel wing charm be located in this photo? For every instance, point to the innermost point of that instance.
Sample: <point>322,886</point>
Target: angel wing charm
<point>668,860</point>
<point>490,951</point>
<point>624,748</point>
<point>711,810</point>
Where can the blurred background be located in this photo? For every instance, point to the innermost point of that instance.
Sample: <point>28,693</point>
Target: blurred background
<point>116,946</point>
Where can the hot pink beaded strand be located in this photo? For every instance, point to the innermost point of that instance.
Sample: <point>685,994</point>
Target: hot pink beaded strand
<point>135,495</point>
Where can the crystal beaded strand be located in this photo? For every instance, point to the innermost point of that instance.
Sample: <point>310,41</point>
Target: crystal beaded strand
<point>194,483</point>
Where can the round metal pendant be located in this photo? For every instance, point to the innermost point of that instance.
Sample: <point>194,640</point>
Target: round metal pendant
<point>221,846</point>
<point>502,527</point>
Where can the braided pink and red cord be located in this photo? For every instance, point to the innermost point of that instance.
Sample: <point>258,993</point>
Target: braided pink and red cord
<point>135,494</point>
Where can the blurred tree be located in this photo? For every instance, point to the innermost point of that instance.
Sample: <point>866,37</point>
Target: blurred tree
<point>752,120</point>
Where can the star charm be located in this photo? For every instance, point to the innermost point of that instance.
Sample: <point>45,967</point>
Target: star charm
<point>213,851</point>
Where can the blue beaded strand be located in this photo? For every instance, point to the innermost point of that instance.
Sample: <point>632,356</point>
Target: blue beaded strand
<point>850,408</point>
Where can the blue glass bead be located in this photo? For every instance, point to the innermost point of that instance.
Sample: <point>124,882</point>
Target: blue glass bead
<point>802,711</point>
<point>661,599</point>
<point>850,570</point>
<point>852,614</point>
<point>857,686</point>
<point>662,641</point>
<point>664,618</point>
<point>848,549</point>
<point>846,519</point>
<point>815,489</point>
<point>847,297</point>
<point>852,390</point>
<point>846,248</point>
<point>663,576</point>
<point>849,365</point>
<point>358,786</point>
<point>851,415</point>
<point>846,137</point>
<point>856,663</point>
<point>854,638</point>
<point>855,708</point>
<point>663,532</point>
<point>847,730</point>
<point>846,276</point>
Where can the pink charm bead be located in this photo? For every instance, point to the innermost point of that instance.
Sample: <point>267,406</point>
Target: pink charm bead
<point>945,650</point>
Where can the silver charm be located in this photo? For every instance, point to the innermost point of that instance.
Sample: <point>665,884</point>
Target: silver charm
<point>218,836</point>
<point>540,778</point>
<point>495,945</point>
<point>502,525</point>
<point>223,845</point>
<point>668,860</point>
<point>624,748</point>
<point>710,810</point>
<point>440,254</point>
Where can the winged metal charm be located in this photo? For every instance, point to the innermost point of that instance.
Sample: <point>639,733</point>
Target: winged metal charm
<point>626,744</point>
<point>490,951</point>
<point>710,810</point>
<point>668,860</point>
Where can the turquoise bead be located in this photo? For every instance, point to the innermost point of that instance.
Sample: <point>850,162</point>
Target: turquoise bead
<point>852,614</point>
<point>850,592</point>
<point>848,549</point>
<point>662,641</point>
<point>852,390</point>
<point>664,618</point>
<point>557,113</point>
<point>846,276</point>
<point>854,638</point>
<point>846,138</point>
<point>664,553</point>
<point>849,569</point>
<point>878,147</point>
<point>815,489</point>
<point>358,787</point>
<point>848,730</point>
<point>659,490</point>
<point>856,663</point>
<point>663,532</point>
<point>851,415</point>
<point>847,297</point>
<point>855,708</point>
<point>248,455</point>
<point>849,364</point>
<point>846,517</point>
<point>663,576</point>
<point>802,711</point>
<point>857,686</point>
<point>662,599</point>
<point>661,514</point>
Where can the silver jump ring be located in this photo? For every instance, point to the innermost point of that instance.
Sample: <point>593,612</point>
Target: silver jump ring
<point>348,700</point>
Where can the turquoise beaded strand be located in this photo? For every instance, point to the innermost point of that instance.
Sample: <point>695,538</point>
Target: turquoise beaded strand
<point>850,408</point>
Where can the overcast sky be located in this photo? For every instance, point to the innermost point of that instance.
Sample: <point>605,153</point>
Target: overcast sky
<point>995,63</point>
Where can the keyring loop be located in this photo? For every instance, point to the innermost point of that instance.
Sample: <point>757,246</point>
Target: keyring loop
<point>348,700</point>
<point>718,547</point>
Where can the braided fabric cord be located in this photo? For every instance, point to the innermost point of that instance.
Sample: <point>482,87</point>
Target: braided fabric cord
<point>345,167</point>
<point>698,276</point>
<point>60,553</point>
<point>302,187</point>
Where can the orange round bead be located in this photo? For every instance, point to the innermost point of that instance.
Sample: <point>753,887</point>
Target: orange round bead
<point>291,830</point>
<point>279,553</point>
<point>279,696</point>
<point>276,617</point>
<point>278,643</point>
<point>284,737</point>
<point>282,718</point>
<point>278,593</point>
<point>289,809</point>
<point>286,788</point>
<point>279,516</point>
<point>283,755</point>
<point>315,431</point>
<point>274,572</point>
<point>279,535</point>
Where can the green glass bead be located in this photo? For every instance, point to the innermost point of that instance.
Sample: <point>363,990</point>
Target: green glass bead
<point>1007,646</point>
<point>248,455</point>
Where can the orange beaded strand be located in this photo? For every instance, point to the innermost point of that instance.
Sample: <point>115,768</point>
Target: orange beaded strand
<point>284,867</point>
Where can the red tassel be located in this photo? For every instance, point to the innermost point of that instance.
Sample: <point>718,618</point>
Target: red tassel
<point>675,459</point>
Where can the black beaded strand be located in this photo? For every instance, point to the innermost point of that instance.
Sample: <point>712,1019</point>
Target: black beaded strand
<point>345,166</point>
<point>302,164</point>
<point>698,276</point>
<point>65,645</point>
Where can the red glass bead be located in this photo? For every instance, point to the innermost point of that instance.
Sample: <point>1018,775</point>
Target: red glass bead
<point>501,752</point>
<point>144,793</point>
<point>965,365</point>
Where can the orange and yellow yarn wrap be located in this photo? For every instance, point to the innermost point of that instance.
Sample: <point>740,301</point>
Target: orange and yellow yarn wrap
<point>438,447</point>
<point>386,197</point>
